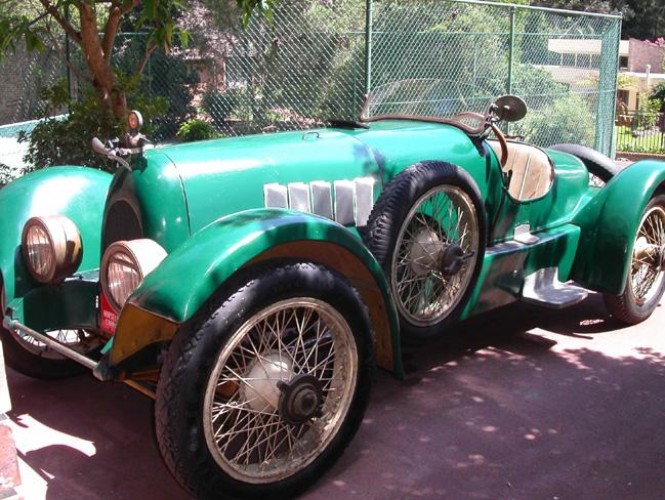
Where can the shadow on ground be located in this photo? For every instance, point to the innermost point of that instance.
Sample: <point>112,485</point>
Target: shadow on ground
<point>521,403</point>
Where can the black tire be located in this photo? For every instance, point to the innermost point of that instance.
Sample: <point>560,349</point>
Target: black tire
<point>637,302</point>
<point>596,163</point>
<point>29,358</point>
<point>215,343</point>
<point>424,259</point>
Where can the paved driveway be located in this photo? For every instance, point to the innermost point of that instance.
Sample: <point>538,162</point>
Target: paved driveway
<point>524,403</point>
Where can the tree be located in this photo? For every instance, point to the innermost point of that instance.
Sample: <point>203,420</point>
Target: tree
<point>642,19</point>
<point>93,26</point>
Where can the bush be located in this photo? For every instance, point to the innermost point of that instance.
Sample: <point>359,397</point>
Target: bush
<point>567,119</point>
<point>67,141</point>
<point>647,115</point>
<point>197,130</point>
<point>222,105</point>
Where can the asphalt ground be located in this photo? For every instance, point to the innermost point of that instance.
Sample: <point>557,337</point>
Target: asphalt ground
<point>522,403</point>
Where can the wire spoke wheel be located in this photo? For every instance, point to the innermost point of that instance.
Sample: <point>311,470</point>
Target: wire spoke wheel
<point>646,273</point>
<point>265,387</point>
<point>78,340</point>
<point>435,255</point>
<point>427,231</point>
<point>645,283</point>
<point>279,390</point>
<point>33,358</point>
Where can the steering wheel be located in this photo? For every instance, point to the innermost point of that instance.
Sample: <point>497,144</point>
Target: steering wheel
<point>502,142</point>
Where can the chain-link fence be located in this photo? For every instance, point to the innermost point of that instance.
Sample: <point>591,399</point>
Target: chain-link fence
<point>318,59</point>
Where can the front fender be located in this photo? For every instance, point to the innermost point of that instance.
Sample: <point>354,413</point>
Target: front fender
<point>609,224</point>
<point>76,192</point>
<point>185,280</point>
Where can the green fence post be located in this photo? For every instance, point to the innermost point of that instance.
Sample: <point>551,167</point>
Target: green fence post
<point>511,49</point>
<point>607,89</point>
<point>368,45</point>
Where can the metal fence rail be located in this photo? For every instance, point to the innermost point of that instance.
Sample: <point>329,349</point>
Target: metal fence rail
<point>319,58</point>
<point>641,133</point>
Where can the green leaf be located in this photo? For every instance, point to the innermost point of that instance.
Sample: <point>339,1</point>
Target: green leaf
<point>33,42</point>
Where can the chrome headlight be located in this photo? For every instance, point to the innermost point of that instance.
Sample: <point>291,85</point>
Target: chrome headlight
<point>124,265</point>
<point>51,247</point>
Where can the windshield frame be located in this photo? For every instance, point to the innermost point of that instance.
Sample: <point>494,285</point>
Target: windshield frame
<point>483,119</point>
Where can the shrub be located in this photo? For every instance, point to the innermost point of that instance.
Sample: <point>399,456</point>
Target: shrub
<point>567,119</point>
<point>196,130</point>
<point>222,105</point>
<point>67,141</point>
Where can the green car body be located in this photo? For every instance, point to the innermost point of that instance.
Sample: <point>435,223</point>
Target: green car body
<point>204,203</point>
<point>208,206</point>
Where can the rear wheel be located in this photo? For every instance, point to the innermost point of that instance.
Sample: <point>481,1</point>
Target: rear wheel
<point>262,392</point>
<point>646,277</point>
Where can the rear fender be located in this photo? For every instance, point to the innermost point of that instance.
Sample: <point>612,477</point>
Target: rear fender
<point>187,278</point>
<point>609,224</point>
<point>76,192</point>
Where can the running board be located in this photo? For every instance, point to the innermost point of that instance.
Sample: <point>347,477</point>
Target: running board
<point>543,288</point>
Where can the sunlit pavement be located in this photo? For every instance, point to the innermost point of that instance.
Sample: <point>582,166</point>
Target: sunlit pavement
<point>523,403</point>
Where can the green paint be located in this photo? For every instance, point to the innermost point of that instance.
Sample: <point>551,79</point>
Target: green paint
<point>77,192</point>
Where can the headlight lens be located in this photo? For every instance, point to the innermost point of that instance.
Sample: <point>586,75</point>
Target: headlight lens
<point>124,265</point>
<point>51,247</point>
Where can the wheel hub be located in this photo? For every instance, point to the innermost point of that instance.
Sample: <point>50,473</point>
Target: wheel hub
<point>300,399</point>
<point>262,393</point>
<point>452,261</point>
<point>425,252</point>
<point>652,254</point>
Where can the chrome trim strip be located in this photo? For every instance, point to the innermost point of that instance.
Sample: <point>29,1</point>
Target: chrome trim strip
<point>299,196</point>
<point>322,199</point>
<point>344,194</point>
<point>275,196</point>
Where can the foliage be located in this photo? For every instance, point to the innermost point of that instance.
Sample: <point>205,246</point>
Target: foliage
<point>169,77</point>
<point>67,141</point>
<point>658,94</point>
<point>5,174</point>
<point>93,28</point>
<point>197,130</point>
<point>566,120</point>
<point>647,114</point>
<point>625,80</point>
<point>221,106</point>
<point>642,19</point>
<point>529,82</point>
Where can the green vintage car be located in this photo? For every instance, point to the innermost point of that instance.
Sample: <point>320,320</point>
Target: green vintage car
<point>250,285</point>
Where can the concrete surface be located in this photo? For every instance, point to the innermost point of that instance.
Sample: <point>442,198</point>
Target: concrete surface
<point>523,403</point>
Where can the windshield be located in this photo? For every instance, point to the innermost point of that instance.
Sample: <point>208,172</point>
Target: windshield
<point>429,99</point>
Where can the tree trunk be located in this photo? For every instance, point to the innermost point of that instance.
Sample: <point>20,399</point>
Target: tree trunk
<point>100,67</point>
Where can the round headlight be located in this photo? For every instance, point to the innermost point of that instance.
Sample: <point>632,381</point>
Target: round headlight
<point>51,247</point>
<point>124,265</point>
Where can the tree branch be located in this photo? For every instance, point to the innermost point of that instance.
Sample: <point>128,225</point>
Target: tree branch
<point>152,46</point>
<point>56,45</point>
<point>66,25</point>
<point>117,11</point>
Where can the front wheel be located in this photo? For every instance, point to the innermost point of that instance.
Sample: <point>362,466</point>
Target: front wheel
<point>646,278</point>
<point>32,358</point>
<point>261,392</point>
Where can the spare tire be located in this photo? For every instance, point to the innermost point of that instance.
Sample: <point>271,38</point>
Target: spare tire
<point>596,163</point>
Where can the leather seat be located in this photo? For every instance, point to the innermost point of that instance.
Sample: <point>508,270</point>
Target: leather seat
<point>532,172</point>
